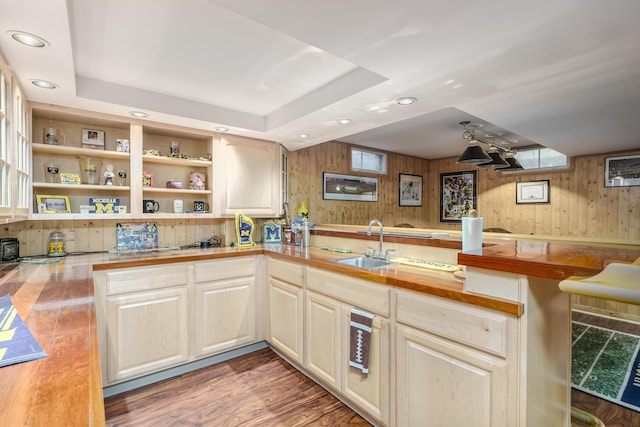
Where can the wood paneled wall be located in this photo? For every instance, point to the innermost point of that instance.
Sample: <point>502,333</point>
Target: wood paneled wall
<point>580,205</point>
<point>305,185</point>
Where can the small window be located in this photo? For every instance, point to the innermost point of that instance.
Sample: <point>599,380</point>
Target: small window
<point>542,158</point>
<point>368,161</point>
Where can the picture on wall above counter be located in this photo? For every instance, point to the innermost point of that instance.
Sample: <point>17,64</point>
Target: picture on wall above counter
<point>532,192</point>
<point>349,187</point>
<point>410,190</point>
<point>457,195</point>
<point>622,171</point>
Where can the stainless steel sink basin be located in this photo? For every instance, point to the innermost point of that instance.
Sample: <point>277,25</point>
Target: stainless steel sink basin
<point>363,262</point>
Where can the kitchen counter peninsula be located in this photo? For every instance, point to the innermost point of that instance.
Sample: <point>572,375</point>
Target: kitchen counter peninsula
<point>56,302</point>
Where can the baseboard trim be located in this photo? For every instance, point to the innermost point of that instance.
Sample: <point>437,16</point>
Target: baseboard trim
<point>182,369</point>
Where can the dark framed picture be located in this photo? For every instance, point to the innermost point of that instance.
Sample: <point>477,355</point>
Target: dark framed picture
<point>348,187</point>
<point>53,204</point>
<point>410,190</point>
<point>622,171</point>
<point>458,192</point>
<point>532,192</point>
<point>92,138</point>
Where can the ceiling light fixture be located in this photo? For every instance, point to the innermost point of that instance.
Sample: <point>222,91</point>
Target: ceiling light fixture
<point>474,154</point>
<point>304,135</point>
<point>138,114</point>
<point>28,39</point>
<point>222,129</point>
<point>44,84</point>
<point>407,100</point>
<point>344,121</point>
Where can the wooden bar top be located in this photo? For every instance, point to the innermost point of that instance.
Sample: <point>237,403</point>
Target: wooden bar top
<point>56,302</point>
<point>551,260</point>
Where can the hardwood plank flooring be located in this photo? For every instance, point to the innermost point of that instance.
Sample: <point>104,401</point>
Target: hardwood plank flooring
<point>261,389</point>
<point>258,389</point>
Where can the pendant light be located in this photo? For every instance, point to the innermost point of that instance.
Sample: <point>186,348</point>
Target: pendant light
<point>514,164</point>
<point>473,154</point>
<point>496,160</point>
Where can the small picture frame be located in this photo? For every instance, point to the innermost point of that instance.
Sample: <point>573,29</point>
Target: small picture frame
<point>532,192</point>
<point>622,171</point>
<point>53,204</point>
<point>93,139</point>
<point>410,190</point>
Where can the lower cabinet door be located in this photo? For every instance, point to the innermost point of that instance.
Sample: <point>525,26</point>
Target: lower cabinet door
<point>441,383</point>
<point>369,392</point>
<point>225,315</point>
<point>147,332</point>
<point>286,307</point>
<point>323,339</point>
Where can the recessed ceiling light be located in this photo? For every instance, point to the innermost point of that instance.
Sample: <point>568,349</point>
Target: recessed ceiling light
<point>406,100</point>
<point>44,84</point>
<point>222,129</point>
<point>138,114</point>
<point>304,135</point>
<point>344,121</point>
<point>28,39</point>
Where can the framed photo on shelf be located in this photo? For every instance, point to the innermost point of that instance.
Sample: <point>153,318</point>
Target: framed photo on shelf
<point>53,204</point>
<point>410,190</point>
<point>458,192</point>
<point>532,192</point>
<point>92,138</point>
<point>622,171</point>
<point>349,187</point>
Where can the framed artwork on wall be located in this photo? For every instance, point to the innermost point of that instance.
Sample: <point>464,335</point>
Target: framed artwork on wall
<point>622,171</point>
<point>458,192</point>
<point>349,187</point>
<point>410,191</point>
<point>532,192</point>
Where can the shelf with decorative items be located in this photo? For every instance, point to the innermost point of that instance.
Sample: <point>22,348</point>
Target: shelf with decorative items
<point>177,169</point>
<point>88,163</point>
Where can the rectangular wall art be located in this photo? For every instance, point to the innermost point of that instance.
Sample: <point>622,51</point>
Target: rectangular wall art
<point>457,195</point>
<point>349,187</point>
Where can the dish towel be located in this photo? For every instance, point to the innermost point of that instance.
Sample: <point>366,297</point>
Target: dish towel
<point>360,337</point>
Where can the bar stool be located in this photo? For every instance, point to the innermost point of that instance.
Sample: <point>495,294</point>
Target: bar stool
<point>617,282</point>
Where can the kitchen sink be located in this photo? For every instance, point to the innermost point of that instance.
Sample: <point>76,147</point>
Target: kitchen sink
<point>364,262</point>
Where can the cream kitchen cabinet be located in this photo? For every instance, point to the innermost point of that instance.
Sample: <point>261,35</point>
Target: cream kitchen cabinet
<point>329,300</point>
<point>454,364</point>
<point>146,322</point>
<point>225,305</point>
<point>153,318</point>
<point>250,181</point>
<point>15,156</point>
<point>285,308</point>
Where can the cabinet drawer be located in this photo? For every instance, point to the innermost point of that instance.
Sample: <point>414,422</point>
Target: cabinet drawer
<point>289,272</point>
<point>227,268</point>
<point>466,324</point>
<point>360,293</point>
<point>140,279</point>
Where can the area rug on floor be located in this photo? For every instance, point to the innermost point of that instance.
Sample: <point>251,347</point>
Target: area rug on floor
<point>606,362</point>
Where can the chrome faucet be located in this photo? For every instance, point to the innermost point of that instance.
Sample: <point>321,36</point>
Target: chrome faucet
<point>376,222</point>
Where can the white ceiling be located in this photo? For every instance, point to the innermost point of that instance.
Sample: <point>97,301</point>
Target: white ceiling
<point>563,74</point>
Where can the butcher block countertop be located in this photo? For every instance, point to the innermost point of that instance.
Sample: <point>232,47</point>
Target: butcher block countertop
<point>56,302</point>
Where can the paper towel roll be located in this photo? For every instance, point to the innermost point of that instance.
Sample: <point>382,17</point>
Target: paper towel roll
<point>471,233</point>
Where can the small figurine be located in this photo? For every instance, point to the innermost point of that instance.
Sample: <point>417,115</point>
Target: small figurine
<point>108,174</point>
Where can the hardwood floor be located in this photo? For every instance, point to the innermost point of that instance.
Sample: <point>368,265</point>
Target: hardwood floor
<point>258,389</point>
<point>261,389</point>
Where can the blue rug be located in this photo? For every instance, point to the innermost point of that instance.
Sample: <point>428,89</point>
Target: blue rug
<point>606,363</point>
<point>16,342</point>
